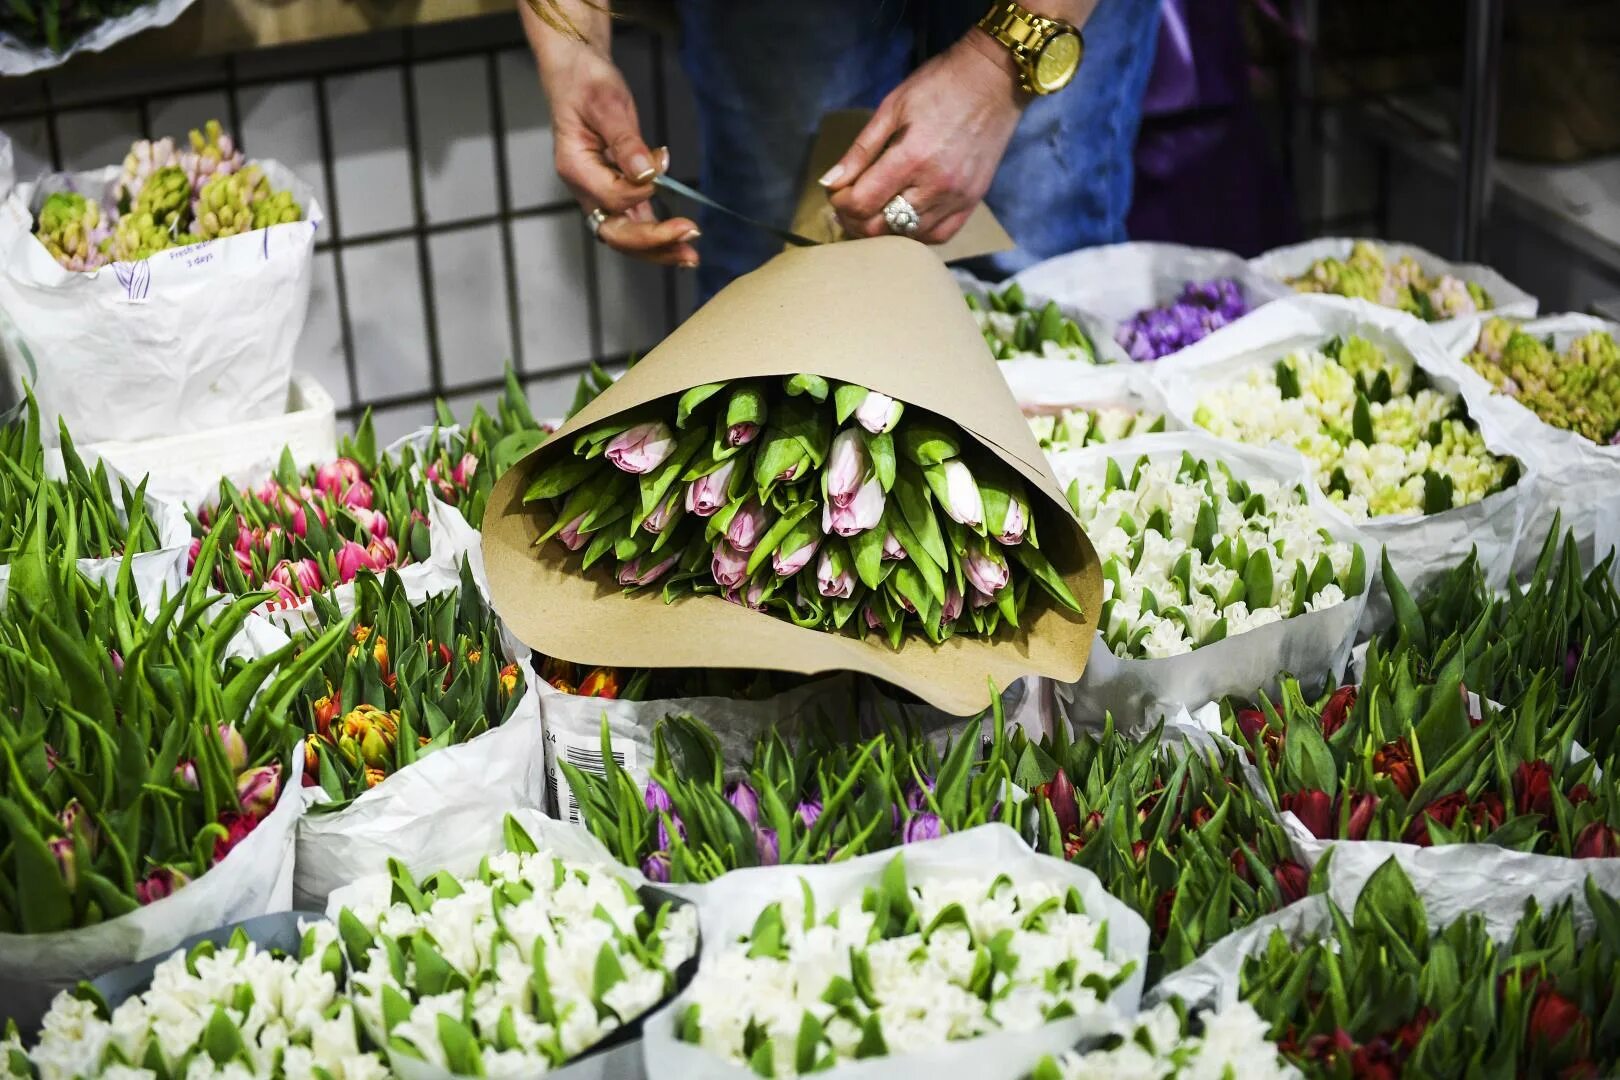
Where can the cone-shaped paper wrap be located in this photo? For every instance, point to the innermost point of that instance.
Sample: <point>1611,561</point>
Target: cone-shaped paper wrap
<point>884,314</point>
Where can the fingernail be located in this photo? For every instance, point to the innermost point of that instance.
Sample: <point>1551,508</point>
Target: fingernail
<point>663,157</point>
<point>690,235</point>
<point>641,168</point>
<point>832,175</point>
<point>689,264</point>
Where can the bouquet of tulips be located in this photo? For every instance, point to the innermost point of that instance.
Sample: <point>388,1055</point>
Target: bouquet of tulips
<point>832,798</point>
<point>1368,273</point>
<point>905,968</point>
<point>1381,992</point>
<point>1171,830</point>
<point>511,971</point>
<point>910,526</point>
<point>138,755</point>
<point>212,1010</point>
<point>1380,439</point>
<point>414,679</point>
<point>1072,429</point>
<point>301,532</point>
<point>462,461</point>
<point>78,515</point>
<point>1164,1043</point>
<point>1577,388</point>
<point>1015,331</point>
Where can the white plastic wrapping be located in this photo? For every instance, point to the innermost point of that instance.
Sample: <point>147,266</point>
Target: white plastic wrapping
<point>254,878</point>
<point>432,809</point>
<point>1026,376</point>
<point>1577,477</point>
<point>1313,646</point>
<point>728,907</point>
<point>155,573</point>
<point>1420,547</point>
<point>17,58</point>
<point>1282,263</point>
<point>193,338</point>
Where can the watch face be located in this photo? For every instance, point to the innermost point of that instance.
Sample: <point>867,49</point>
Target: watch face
<point>1057,62</point>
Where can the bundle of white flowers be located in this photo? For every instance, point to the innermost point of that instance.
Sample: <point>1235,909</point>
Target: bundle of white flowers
<point>1192,555</point>
<point>906,968</point>
<point>236,1011</point>
<point>1380,439</point>
<point>1157,1045</point>
<point>514,971</point>
<point>1072,429</point>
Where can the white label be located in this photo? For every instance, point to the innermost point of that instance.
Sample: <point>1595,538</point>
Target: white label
<point>583,752</point>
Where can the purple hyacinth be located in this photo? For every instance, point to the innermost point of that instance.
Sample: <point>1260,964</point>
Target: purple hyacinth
<point>657,799</point>
<point>923,826</point>
<point>809,811</point>
<point>767,846</point>
<point>745,799</point>
<point>655,867</point>
<point>1201,308</point>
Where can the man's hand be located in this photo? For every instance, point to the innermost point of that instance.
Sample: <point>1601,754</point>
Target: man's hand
<point>936,139</point>
<point>599,151</point>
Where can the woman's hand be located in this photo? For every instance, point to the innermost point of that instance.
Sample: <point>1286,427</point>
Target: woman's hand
<point>936,140</point>
<point>599,151</point>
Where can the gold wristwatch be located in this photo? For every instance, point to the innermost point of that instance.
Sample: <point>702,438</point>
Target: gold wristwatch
<point>1047,51</point>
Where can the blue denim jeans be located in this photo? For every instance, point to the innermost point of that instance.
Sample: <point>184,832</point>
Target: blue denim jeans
<point>764,72</point>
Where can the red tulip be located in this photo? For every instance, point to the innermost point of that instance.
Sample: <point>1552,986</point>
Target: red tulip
<point>1579,793</point>
<point>191,555</point>
<point>1394,760</point>
<point>1445,810</point>
<point>1337,709</point>
<point>1059,793</point>
<point>237,826</point>
<point>1293,880</point>
<point>1597,841</point>
<point>1409,1034</point>
<point>1489,811</point>
<point>1532,788</point>
<point>159,883</point>
<point>1555,1019</point>
<point>1361,815</point>
<point>1314,810</point>
<point>1161,913</point>
<point>1251,722</point>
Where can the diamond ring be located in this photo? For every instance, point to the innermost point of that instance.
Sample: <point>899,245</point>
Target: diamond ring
<point>901,216</point>
<point>594,220</point>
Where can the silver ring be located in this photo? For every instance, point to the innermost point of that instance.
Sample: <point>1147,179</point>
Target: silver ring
<point>901,216</point>
<point>594,220</point>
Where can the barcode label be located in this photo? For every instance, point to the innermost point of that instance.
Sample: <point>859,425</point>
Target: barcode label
<point>583,752</point>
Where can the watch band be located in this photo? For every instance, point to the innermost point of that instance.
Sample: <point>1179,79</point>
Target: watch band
<point>1022,32</point>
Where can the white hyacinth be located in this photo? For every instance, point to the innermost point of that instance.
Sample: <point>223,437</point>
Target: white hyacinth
<point>905,969</point>
<point>1191,555</point>
<point>1155,1046</point>
<point>1376,436</point>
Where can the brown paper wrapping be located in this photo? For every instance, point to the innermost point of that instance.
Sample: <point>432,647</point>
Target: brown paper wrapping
<point>981,233</point>
<point>883,313</point>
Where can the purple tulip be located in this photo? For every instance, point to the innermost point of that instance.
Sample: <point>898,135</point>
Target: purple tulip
<point>809,812</point>
<point>920,827</point>
<point>952,609</point>
<point>767,846</point>
<point>745,799</point>
<point>657,798</point>
<point>117,661</point>
<point>657,521</point>
<point>1012,528</point>
<point>917,794</point>
<point>747,526</point>
<point>570,536</point>
<point>878,413</point>
<point>752,598</point>
<point>741,434</point>
<point>785,566</point>
<point>893,550</point>
<point>655,867</point>
<point>729,567</point>
<point>978,599</point>
<point>873,621</point>
<point>641,448</point>
<point>854,494</point>
<point>631,573</point>
<point>962,501</point>
<point>986,570</point>
<point>834,582</point>
<point>665,841</point>
<point>707,494</point>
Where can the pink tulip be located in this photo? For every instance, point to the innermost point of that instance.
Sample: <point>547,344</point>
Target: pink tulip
<point>1012,529</point>
<point>872,620</point>
<point>268,536</point>
<point>569,534</point>
<point>335,476</point>
<point>632,574</point>
<point>642,448</point>
<point>893,550</point>
<point>302,577</point>
<point>358,495</point>
<point>952,609</point>
<point>730,567</point>
<point>986,570</point>
<point>284,597</point>
<point>67,864</point>
<point>185,774</point>
<point>878,413</point>
<point>749,598</point>
<point>191,555</point>
<point>833,582</point>
<point>269,493</point>
<point>350,560</point>
<point>786,566</point>
<point>741,434</point>
<point>464,469</point>
<point>382,553</point>
<point>300,519</point>
<point>158,884</point>
<point>117,659</point>
<point>657,521</point>
<point>854,494</point>
<point>235,747</point>
<point>747,526</point>
<point>373,521</point>
<point>707,494</point>
<point>979,599</point>
<point>256,789</point>
<point>962,500</point>
<point>246,539</point>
